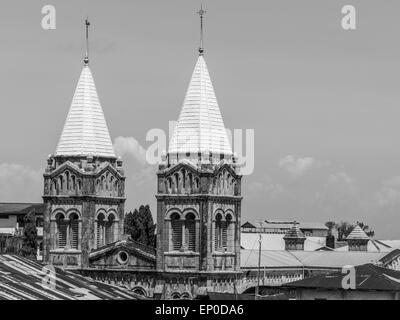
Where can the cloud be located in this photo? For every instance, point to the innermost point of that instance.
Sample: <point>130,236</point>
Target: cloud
<point>296,167</point>
<point>129,146</point>
<point>389,193</point>
<point>131,149</point>
<point>19,183</point>
<point>267,188</point>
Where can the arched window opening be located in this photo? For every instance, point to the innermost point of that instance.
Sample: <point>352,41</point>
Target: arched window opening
<point>176,228</point>
<point>185,296</point>
<point>61,231</point>
<point>110,229</point>
<point>175,296</point>
<point>176,182</point>
<point>218,232</point>
<point>230,230</point>
<point>100,230</point>
<point>73,182</point>
<point>74,230</point>
<point>190,232</point>
<point>67,180</point>
<point>61,183</point>
<point>54,187</point>
<point>103,183</point>
<point>190,183</point>
<point>183,179</point>
<point>79,184</point>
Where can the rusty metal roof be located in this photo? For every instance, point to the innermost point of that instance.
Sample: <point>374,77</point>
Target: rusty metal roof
<point>21,279</point>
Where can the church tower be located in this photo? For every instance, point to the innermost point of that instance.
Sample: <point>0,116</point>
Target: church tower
<point>199,186</point>
<point>83,182</point>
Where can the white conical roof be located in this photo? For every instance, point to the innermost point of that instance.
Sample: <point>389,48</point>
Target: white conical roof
<point>85,130</point>
<point>200,127</point>
<point>357,233</point>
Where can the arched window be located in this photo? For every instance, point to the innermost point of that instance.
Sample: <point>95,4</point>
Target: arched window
<point>61,232</point>
<point>67,180</point>
<point>61,183</point>
<point>218,232</point>
<point>100,230</point>
<point>177,186</point>
<point>54,187</point>
<point>183,174</point>
<point>110,229</point>
<point>169,185</point>
<point>175,296</point>
<point>73,182</point>
<point>103,183</point>
<point>230,230</point>
<point>74,230</point>
<point>190,232</point>
<point>185,296</point>
<point>176,228</point>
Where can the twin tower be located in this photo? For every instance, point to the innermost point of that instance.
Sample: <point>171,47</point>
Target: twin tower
<point>198,186</point>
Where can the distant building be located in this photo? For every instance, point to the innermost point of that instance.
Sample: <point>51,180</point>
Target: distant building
<point>372,282</point>
<point>281,267</point>
<point>12,225</point>
<point>310,229</point>
<point>273,233</point>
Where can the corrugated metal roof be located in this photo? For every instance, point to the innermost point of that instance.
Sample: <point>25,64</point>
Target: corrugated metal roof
<point>85,131</point>
<point>315,259</point>
<point>276,224</point>
<point>275,241</point>
<point>200,127</point>
<point>20,208</point>
<point>21,279</point>
<point>368,277</point>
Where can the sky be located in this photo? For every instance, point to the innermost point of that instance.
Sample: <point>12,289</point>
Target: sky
<point>323,101</point>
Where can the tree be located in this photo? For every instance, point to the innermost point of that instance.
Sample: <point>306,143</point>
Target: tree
<point>365,228</point>
<point>140,226</point>
<point>29,244</point>
<point>343,228</point>
<point>330,225</point>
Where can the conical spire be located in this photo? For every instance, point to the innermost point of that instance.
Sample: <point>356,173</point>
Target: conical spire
<point>85,130</point>
<point>200,128</point>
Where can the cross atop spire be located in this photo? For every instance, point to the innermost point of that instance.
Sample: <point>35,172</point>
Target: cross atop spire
<point>87,24</point>
<point>201,13</point>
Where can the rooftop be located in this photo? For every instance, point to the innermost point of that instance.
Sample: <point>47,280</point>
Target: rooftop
<point>357,234</point>
<point>368,277</point>
<point>9,208</point>
<point>21,279</point>
<point>310,259</point>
